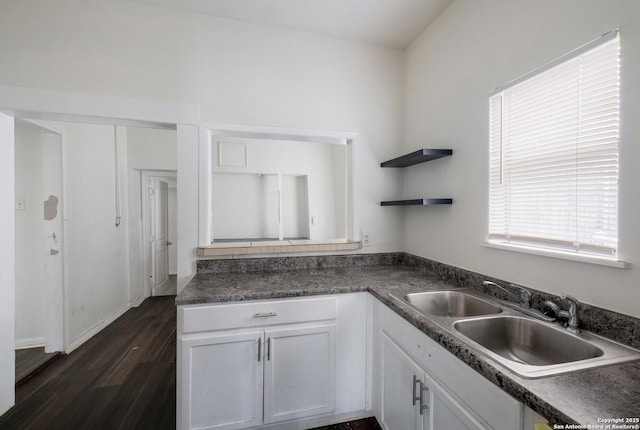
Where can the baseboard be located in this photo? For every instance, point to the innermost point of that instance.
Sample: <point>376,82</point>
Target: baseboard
<point>137,302</point>
<point>97,328</point>
<point>34,342</point>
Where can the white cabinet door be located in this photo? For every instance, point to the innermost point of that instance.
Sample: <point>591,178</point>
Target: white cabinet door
<point>406,386</point>
<point>445,412</point>
<point>222,381</point>
<point>459,397</point>
<point>399,388</point>
<point>299,367</point>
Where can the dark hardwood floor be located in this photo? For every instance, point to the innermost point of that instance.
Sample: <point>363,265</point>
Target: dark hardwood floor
<point>122,378</point>
<point>30,361</point>
<point>364,424</point>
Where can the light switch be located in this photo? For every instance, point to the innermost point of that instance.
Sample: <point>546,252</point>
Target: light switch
<point>20,204</point>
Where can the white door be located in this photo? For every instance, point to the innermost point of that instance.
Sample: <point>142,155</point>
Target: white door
<point>52,192</point>
<point>222,381</point>
<point>400,388</point>
<point>159,203</point>
<point>300,374</point>
<point>7,264</point>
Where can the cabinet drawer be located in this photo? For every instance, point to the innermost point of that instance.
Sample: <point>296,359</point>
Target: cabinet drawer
<point>208,317</point>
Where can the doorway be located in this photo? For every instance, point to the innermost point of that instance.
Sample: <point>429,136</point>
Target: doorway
<point>96,109</point>
<point>39,245</point>
<point>162,228</point>
<point>154,261</point>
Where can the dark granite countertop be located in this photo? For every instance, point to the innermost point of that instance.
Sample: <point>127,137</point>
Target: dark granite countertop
<point>581,397</point>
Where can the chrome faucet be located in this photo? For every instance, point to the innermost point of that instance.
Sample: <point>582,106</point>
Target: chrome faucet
<point>524,300</point>
<point>522,303</point>
<point>571,315</point>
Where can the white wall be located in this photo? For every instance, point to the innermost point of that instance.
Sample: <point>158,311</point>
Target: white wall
<point>242,73</point>
<point>450,69</point>
<point>7,265</point>
<point>151,148</point>
<point>187,203</point>
<point>96,250</point>
<point>238,73</point>
<point>29,231</point>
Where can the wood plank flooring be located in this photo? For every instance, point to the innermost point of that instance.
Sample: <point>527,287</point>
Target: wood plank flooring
<point>30,361</point>
<point>364,424</point>
<point>122,378</point>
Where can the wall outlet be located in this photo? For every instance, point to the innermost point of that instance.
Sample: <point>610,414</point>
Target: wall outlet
<point>20,204</point>
<point>366,239</point>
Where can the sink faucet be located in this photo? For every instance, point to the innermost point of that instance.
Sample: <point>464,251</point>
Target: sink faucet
<point>522,303</point>
<point>570,315</point>
<point>524,300</point>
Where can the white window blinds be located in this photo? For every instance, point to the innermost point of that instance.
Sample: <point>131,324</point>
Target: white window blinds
<point>554,137</point>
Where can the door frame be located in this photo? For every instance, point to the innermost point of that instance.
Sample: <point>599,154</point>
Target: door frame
<point>56,334</point>
<point>140,181</point>
<point>7,264</point>
<point>152,175</point>
<point>54,105</point>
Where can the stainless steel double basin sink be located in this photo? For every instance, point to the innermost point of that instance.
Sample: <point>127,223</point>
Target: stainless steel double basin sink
<point>524,345</point>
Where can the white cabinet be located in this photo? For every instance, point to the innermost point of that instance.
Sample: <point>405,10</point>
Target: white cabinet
<point>306,362</point>
<point>218,370</point>
<point>407,363</point>
<point>410,399</point>
<point>446,412</point>
<point>399,390</point>
<point>244,365</point>
<point>299,369</point>
<point>244,380</point>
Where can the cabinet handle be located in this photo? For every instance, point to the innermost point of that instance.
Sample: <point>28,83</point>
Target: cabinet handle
<point>265,315</point>
<point>259,349</point>
<point>268,349</point>
<point>415,381</point>
<point>423,406</point>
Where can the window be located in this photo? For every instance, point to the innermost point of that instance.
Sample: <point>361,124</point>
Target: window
<point>554,137</point>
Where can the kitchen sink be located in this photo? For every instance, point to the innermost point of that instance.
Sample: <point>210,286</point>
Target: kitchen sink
<point>527,346</point>
<point>450,303</point>
<point>526,341</point>
<point>532,348</point>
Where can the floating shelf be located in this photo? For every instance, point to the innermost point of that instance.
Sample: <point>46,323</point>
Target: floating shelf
<point>417,202</point>
<point>416,157</point>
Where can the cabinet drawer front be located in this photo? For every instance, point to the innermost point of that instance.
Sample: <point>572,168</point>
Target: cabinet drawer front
<point>256,314</point>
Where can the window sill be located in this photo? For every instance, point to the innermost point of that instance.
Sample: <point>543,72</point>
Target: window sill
<point>276,247</point>
<point>559,254</point>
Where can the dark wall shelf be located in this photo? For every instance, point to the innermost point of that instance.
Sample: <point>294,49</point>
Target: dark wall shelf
<point>417,202</point>
<point>416,157</point>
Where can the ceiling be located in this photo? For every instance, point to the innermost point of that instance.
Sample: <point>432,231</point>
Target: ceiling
<point>392,23</point>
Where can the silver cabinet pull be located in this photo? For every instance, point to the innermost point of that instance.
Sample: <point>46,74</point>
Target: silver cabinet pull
<point>265,315</point>
<point>423,406</point>
<point>268,349</point>
<point>259,349</point>
<point>414,397</point>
